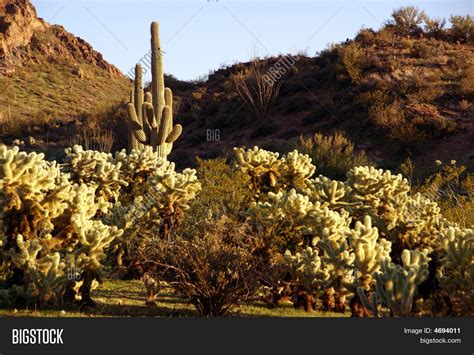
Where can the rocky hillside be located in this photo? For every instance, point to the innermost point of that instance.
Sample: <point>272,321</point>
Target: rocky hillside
<point>394,94</point>
<point>50,80</point>
<point>403,91</point>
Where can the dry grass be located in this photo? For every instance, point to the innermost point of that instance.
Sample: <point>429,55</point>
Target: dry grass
<point>127,299</point>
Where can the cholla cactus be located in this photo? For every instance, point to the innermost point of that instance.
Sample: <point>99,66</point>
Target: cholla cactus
<point>328,224</point>
<point>368,250</point>
<point>45,217</point>
<point>268,172</point>
<point>284,217</point>
<point>44,276</point>
<point>262,166</point>
<point>25,178</point>
<point>330,193</point>
<point>338,254</point>
<point>175,190</point>
<point>156,210</point>
<point>396,285</point>
<point>383,195</point>
<point>140,164</point>
<point>421,223</point>
<point>457,272</point>
<point>136,168</point>
<point>95,169</point>
<point>307,268</point>
<point>308,272</point>
<point>297,169</point>
<point>300,211</point>
<point>281,205</point>
<point>30,185</point>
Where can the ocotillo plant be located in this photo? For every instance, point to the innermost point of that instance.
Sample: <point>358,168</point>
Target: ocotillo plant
<point>151,115</point>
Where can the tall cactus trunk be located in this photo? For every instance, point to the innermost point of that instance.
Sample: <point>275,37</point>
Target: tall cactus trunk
<point>158,82</point>
<point>151,115</point>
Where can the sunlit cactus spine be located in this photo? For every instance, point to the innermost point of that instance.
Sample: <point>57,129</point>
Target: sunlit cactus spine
<point>151,115</point>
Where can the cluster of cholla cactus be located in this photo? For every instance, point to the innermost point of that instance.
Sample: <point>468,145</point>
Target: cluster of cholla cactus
<point>58,221</point>
<point>52,241</point>
<point>96,169</point>
<point>369,237</point>
<point>151,113</point>
<point>396,285</point>
<point>269,172</point>
<point>457,273</point>
<point>307,269</point>
<point>150,196</point>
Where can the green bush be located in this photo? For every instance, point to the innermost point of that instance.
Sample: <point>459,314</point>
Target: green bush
<point>353,60</point>
<point>333,155</point>
<point>224,191</point>
<point>453,189</point>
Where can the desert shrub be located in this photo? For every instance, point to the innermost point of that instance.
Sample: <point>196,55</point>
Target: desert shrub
<point>453,189</point>
<point>256,89</point>
<point>465,105</point>
<point>214,269</point>
<point>365,36</point>
<point>433,126</point>
<point>374,98</point>
<point>462,28</point>
<point>224,191</point>
<point>407,19</point>
<point>435,27</point>
<point>409,124</point>
<point>426,50</point>
<point>407,43</point>
<point>353,60</point>
<point>426,89</point>
<point>466,84</point>
<point>384,36</point>
<point>333,155</point>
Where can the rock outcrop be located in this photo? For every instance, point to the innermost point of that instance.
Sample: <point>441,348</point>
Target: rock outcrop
<point>24,37</point>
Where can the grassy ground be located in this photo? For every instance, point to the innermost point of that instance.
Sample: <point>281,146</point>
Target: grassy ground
<point>127,299</point>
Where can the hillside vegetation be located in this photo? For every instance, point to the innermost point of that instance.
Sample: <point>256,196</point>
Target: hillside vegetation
<point>53,85</point>
<point>402,91</point>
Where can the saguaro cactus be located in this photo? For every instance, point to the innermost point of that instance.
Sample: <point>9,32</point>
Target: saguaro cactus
<point>151,115</point>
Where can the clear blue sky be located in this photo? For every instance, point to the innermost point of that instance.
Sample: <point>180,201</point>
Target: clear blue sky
<point>201,35</point>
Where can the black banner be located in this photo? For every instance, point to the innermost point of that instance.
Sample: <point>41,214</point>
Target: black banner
<point>410,336</point>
